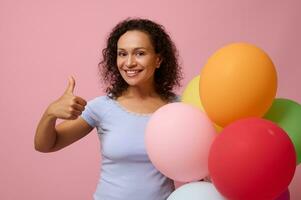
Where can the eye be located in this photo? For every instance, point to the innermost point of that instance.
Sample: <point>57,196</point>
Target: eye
<point>140,53</point>
<point>121,54</point>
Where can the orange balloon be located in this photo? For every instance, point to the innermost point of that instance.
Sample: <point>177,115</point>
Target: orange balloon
<point>238,81</point>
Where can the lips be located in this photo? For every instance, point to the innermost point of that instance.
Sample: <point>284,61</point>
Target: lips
<point>132,73</point>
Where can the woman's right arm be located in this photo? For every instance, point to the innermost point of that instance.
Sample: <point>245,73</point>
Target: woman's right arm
<point>49,137</point>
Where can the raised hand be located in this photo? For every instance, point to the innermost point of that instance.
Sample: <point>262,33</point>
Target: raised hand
<point>68,106</point>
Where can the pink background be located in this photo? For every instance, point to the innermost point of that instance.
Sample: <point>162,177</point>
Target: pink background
<point>43,42</point>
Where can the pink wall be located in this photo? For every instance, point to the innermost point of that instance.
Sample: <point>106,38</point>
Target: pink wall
<point>43,42</point>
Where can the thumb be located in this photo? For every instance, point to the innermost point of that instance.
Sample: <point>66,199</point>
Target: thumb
<point>71,85</point>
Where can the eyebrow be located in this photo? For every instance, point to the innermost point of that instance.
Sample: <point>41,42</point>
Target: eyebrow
<point>137,48</point>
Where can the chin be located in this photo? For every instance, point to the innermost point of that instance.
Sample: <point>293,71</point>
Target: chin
<point>137,81</point>
<point>132,83</point>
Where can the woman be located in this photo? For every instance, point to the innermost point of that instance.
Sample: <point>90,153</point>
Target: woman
<point>141,70</point>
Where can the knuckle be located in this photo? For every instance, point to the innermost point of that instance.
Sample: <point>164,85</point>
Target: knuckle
<point>73,112</point>
<point>71,109</point>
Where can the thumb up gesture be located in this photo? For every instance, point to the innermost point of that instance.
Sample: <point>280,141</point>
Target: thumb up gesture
<point>68,106</point>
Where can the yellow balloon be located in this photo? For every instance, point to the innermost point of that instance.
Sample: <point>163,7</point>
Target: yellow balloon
<point>191,95</point>
<point>238,81</point>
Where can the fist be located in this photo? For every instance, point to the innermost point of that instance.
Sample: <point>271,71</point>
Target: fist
<point>68,106</point>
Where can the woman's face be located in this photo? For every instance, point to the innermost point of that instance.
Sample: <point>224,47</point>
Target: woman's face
<point>136,58</point>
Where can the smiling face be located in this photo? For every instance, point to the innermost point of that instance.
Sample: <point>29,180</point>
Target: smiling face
<point>136,58</point>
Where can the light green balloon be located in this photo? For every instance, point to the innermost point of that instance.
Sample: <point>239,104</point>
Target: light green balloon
<point>287,114</point>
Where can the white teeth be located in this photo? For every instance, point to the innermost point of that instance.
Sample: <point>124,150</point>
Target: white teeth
<point>132,72</point>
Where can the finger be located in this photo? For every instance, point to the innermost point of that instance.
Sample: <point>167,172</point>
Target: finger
<point>73,117</point>
<point>71,85</point>
<point>75,112</point>
<point>81,101</point>
<point>78,107</point>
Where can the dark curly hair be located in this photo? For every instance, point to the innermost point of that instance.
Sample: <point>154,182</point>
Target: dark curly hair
<point>167,77</point>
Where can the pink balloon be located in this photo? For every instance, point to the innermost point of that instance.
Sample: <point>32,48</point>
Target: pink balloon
<point>178,139</point>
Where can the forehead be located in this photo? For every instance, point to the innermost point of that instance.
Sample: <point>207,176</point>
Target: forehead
<point>134,39</point>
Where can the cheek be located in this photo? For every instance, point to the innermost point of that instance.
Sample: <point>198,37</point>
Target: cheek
<point>119,64</point>
<point>152,66</point>
<point>149,63</point>
<point>150,71</point>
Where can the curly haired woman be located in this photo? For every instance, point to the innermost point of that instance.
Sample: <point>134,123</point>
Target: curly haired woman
<point>140,68</point>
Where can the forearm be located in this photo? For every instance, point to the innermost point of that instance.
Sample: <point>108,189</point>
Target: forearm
<point>46,134</point>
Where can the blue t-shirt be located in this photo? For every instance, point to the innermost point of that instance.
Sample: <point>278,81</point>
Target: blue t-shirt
<point>126,171</point>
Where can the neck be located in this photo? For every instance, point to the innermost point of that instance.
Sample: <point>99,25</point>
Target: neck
<point>140,92</point>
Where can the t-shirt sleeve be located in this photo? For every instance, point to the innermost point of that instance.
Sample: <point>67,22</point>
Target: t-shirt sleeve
<point>89,115</point>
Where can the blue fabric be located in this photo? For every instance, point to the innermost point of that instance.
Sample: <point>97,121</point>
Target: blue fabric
<point>126,171</point>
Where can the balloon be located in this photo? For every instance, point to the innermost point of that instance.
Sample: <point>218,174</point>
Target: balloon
<point>251,159</point>
<point>238,81</point>
<point>287,114</point>
<point>191,95</point>
<point>177,139</point>
<point>178,184</point>
<point>196,191</point>
<point>284,196</point>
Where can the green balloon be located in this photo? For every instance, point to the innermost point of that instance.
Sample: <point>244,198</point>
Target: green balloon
<point>287,115</point>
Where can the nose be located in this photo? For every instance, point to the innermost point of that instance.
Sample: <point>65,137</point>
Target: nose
<point>130,62</point>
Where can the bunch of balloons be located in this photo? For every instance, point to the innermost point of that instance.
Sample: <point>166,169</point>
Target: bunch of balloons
<point>231,128</point>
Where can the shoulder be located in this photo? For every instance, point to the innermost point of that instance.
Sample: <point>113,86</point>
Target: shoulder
<point>100,104</point>
<point>98,101</point>
<point>97,108</point>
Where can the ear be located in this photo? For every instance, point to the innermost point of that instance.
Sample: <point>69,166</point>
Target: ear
<point>159,60</point>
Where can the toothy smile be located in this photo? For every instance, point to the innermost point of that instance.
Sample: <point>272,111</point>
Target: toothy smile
<point>132,73</point>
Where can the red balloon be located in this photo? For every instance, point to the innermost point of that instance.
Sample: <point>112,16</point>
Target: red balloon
<point>284,196</point>
<point>251,159</point>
